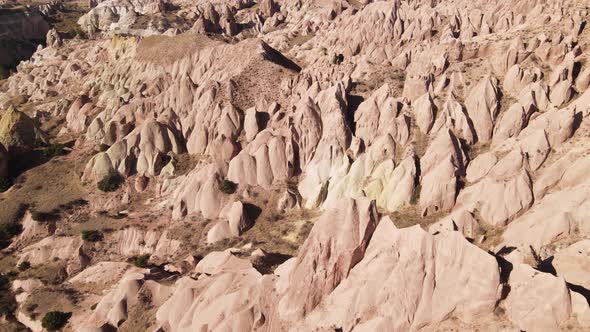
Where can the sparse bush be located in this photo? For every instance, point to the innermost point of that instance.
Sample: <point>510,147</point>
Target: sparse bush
<point>416,196</point>
<point>7,303</point>
<point>71,205</point>
<point>92,307</point>
<point>54,150</point>
<point>44,216</point>
<point>8,231</point>
<point>145,297</point>
<point>24,265</point>
<point>110,182</point>
<point>13,229</point>
<point>5,184</point>
<point>91,235</point>
<point>227,187</point>
<point>55,320</point>
<point>4,281</point>
<point>141,261</point>
<point>103,147</point>
<point>72,295</point>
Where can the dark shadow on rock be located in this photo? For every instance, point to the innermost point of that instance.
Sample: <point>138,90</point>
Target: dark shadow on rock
<point>252,211</point>
<point>353,104</point>
<point>580,290</point>
<point>578,117</point>
<point>268,263</point>
<point>505,251</point>
<point>262,118</point>
<point>505,269</point>
<point>547,266</point>
<point>277,57</point>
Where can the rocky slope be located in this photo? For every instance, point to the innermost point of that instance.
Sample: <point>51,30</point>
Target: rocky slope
<point>301,166</point>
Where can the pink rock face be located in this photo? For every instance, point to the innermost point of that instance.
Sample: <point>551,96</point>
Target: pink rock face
<point>440,166</point>
<point>225,299</point>
<point>268,7</point>
<point>199,193</point>
<point>409,279</point>
<point>512,122</point>
<point>424,111</point>
<point>455,117</point>
<point>64,248</point>
<point>503,194</point>
<point>573,265</point>
<point>483,107</point>
<point>537,301</point>
<point>235,222</point>
<point>380,115</point>
<point>335,245</point>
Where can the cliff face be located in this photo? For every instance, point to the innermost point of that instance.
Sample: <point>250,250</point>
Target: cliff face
<point>21,30</point>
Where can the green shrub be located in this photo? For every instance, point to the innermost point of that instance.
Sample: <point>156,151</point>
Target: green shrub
<point>141,261</point>
<point>54,150</point>
<point>110,182</point>
<point>91,236</point>
<point>227,187</point>
<point>55,320</point>
<point>24,265</point>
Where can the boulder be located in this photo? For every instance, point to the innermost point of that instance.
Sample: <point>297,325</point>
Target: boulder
<point>18,132</point>
<point>537,301</point>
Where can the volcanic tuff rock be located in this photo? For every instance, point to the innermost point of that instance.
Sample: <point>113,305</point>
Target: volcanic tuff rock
<point>282,165</point>
<point>18,132</point>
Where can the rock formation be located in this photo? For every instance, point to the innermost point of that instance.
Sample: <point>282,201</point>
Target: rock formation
<point>240,165</point>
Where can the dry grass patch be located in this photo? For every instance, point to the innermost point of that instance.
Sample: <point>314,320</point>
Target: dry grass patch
<point>410,216</point>
<point>44,188</point>
<point>43,300</point>
<point>165,50</point>
<point>53,272</point>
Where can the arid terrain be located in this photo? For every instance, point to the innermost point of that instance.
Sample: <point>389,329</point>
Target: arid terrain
<point>294,165</point>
